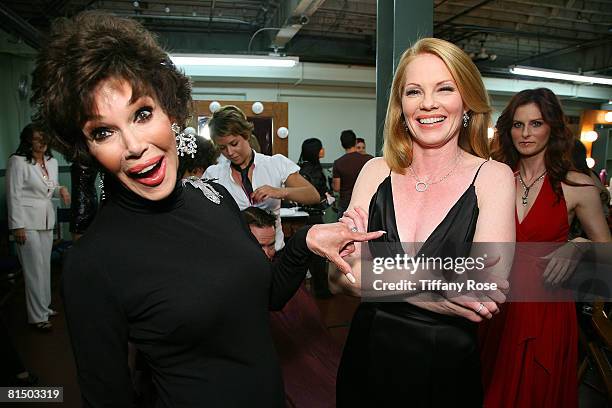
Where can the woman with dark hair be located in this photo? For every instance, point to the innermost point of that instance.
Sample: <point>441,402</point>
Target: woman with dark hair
<point>530,350</point>
<point>31,182</point>
<point>311,170</point>
<point>310,167</point>
<point>167,266</point>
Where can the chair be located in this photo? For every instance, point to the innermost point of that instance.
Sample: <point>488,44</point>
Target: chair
<point>597,346</point>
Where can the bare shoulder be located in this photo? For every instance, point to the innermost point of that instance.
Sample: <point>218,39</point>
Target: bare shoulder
<point>493,173</point>
<point>375,168</point>
<point>579,178</point>
<point>495,181</point>
<point>584,193</point>
<point>371,175</point>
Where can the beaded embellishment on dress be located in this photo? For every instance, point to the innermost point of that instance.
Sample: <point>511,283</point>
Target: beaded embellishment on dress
<point>208,190</point>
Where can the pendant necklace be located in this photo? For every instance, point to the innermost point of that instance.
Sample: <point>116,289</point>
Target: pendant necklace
<point>43,167</point>
<point>526,187</point>
<point>422,186</point>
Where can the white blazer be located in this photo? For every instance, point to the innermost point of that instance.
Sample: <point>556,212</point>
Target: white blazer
<point>29,195</point>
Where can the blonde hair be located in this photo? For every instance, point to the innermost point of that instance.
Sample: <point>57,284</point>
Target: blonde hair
<point>397,148</point>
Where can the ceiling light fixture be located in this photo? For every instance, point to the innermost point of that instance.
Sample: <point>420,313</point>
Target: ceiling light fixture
<point>219,60</point>
<point>564,76</point>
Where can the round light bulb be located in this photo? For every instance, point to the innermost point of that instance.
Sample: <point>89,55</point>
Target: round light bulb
<point>257,108</point>
<point>590,162</point>
<point>214,106</point>
<point>282,132</point>
<point>589,136</point>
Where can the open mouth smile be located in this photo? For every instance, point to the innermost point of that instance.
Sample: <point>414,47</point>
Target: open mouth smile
<point>150,173</point>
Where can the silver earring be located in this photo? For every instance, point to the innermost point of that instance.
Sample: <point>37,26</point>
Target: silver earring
<point>101,184</point>
<point>406,128</point>
<point>185,143</point>
<point>466,119</point>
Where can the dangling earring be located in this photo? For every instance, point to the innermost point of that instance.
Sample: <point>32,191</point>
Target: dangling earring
<point>101,184</point>
<point>185,143</point>
<point>466,119</point>
<point>406,128</point>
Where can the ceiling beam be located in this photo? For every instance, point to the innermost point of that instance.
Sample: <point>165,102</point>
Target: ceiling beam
<point>298,14</point>
<point>21,27</point>
<point>565,50</point>
<point>464,12</point>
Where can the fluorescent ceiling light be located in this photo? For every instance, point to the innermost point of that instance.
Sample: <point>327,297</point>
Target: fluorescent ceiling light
<point>233,61</point>
<point>565,76</point>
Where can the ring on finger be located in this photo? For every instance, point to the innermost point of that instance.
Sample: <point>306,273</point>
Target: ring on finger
<point>479,308</point>
<point>355,229</point>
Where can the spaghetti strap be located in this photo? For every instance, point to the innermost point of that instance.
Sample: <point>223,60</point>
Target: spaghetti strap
<point>478,171</point>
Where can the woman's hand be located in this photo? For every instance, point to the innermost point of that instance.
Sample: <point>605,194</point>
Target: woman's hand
<point>65,195</point>
<point>356,220</point>
<point>262,193</point>
<point>563,262</point>
<point>467,310</point>
<point>334,241</point>
<point>19,235</point>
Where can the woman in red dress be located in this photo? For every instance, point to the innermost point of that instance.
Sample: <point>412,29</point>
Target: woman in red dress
<point>529,351</point>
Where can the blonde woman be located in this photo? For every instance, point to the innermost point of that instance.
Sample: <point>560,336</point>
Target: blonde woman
<point>433,186</point>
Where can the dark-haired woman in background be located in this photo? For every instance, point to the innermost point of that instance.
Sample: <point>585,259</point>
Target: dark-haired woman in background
<point>311,170</point>
<point>31,182</point>
<point>529,351</point>
<point>205,156</point>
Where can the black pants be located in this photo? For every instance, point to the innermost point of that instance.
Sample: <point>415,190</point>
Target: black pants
<point>318,265</point>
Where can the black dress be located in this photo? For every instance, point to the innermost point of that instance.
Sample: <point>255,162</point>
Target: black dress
<point>183,280</point>
<point>400,355</point>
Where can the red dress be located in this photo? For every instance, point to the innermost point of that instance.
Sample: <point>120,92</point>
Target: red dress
<point>529,351</point>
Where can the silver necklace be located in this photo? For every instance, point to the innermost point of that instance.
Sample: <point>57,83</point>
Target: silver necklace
<point>422,186</point>
<point>526,187</point>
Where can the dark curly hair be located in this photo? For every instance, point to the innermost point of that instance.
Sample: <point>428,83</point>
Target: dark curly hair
<point>558,156</point>
<point>90,48</point>
<point>205,156</point>
<point>25,141</point>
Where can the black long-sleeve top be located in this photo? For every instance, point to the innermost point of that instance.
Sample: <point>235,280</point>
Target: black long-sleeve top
<point>184,280</point>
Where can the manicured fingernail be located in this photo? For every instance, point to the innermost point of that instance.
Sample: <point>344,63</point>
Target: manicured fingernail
<point>384,232</point>
<point>350,277</point>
